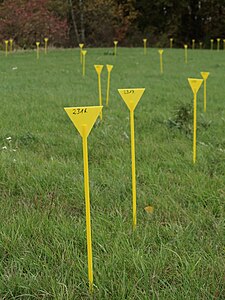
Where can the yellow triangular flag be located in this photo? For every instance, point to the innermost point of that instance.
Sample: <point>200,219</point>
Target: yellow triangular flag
<point>160,51</point>
<point>205,75</point>
<point>109,68</point>
<point>131,96</point>
<point>115,42</point>
<point>98,68</point>
<point>81,45</point>
<point>83,117</point>
<point>195,84</point>
<point>84,52</point>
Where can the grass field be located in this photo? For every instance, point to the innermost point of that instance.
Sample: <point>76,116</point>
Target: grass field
<point>177,252</point>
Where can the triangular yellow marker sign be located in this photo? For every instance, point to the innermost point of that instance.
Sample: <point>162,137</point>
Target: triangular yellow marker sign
<point>81,45</point>
<point>84,52</point>
<point>205,75</point>
<point>98,68</point>
<point>109,68</point>
<point>131,96</point>
<point>195,84</point>
<point>160,51</point>
<point>83,118</point>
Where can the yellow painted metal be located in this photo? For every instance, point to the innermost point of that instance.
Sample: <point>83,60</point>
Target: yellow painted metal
<point>185,54</point>
<point>81,48</point>
<point>11,45</point>
<point>205,75</point>
<point>84,52</point>
<point>193,43</point>
<point>6,47</point>
<point>115,47</point>
<point>195,85</point>
<point>211,43</point>
<point>145,46</point>
<point>200,45</point>
<point>98,69</point>
<point>46,45</point>
<point>109,69</point>
<point>83,119</point>
<point>131,97</point>
<point>161,60</point>
<point>171,43</point>
<point>38,49</point>
<point>218,44</point>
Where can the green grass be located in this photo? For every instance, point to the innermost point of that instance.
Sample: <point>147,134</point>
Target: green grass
<point>175,253</point>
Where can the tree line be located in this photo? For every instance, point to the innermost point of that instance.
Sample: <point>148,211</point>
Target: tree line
<point>98,22</point>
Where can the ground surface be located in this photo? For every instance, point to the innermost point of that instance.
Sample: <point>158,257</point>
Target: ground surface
<point>177,252</point>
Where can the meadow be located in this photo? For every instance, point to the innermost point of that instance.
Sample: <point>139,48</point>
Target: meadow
<point>177,251</point>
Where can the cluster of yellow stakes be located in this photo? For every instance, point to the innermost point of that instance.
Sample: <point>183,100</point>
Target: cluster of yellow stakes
<point>84,118</point>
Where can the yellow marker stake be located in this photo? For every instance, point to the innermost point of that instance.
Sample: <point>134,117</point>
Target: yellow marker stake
<point>205,75</point>
<point>193,44</point>
<point>211,42</point>
<point>131,97</point>
<point>161,60</point>
<point>185,53</point>
<point>200,45</point>
<point>195,85</point>
<point>83,119</point>
<point>6,47</point>
<point>145,44</point>
<point>223,44</point>
<point>171,43</point>
<point>38,49</point>
<point>109,69</point>
<point>10,45</point>
<point>46,45</point>
<point>115,47</point>
<point>98,69</point>
<point>84,52</point>
<point>218,44</point>
<point>81,48</point>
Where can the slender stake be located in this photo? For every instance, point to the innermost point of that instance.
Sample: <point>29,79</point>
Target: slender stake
<point>204,95</point>
<point>100,93</point>
<point>161,64</point>
<point>194,127</point>
<point>108,88</point>
<point>83,61</point>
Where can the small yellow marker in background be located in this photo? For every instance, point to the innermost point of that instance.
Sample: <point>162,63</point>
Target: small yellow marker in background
<point>205,75</point>
<point>195,85</point>
<point>38,49</point>
<point>211,42</point>
<point>115,47</point>
<point>200,45</point>
<point>161,60</point>
<point>83,119</point>
<point>11,45</point>
<point>193,44</point>
<point>6,47</point>
<point>84,52</point>
<point>46,45</point>
<point>131,97</point>
<point>223,44</point>
<point>218,44</point>
<point>109,69</point>
<point>185,53</point>
<point>81,48</point>
<point>145,46</point>
<point>98,69</point>
<point>171,43</point>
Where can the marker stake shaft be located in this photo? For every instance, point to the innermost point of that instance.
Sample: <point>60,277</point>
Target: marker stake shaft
<point>161,64</point>
<point>133,168</point>
<point>100,93</point>
<point>204,95</point>
<point>88,211</point>
<point>108,87</point>
<point>83,61</point>
<point>194,127</point>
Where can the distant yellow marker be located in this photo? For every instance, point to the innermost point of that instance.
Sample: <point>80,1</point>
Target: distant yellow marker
<point>193,44</point>
<point>10,45</point>
<point>6,47</point>
<point>81,48</point>
<point>84,52</point>
<point>218,44</point>
<point>161,60</point>
<point>171,43</point>
<point>109,69</point>
<point>115,47</point>
<point>131,97</point>
<point>185,53</point>
<point>195,85</point>
<point>223,44</point>
<point>205,76</point>
<point>145,46</point>
<point>200,45</point>
<point>83,119</point>
<point>38,49</point>
<point>211,42</point>
<point>46,45</point>
<point>98,69</point>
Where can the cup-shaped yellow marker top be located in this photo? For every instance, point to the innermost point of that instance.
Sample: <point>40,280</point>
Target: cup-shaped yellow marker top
<point>205,75</point>
<point>109,69</point>
<point>195,85</point>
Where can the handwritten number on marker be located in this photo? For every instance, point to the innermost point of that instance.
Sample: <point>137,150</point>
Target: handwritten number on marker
<point>78,111</point>
<point>128,91</point>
